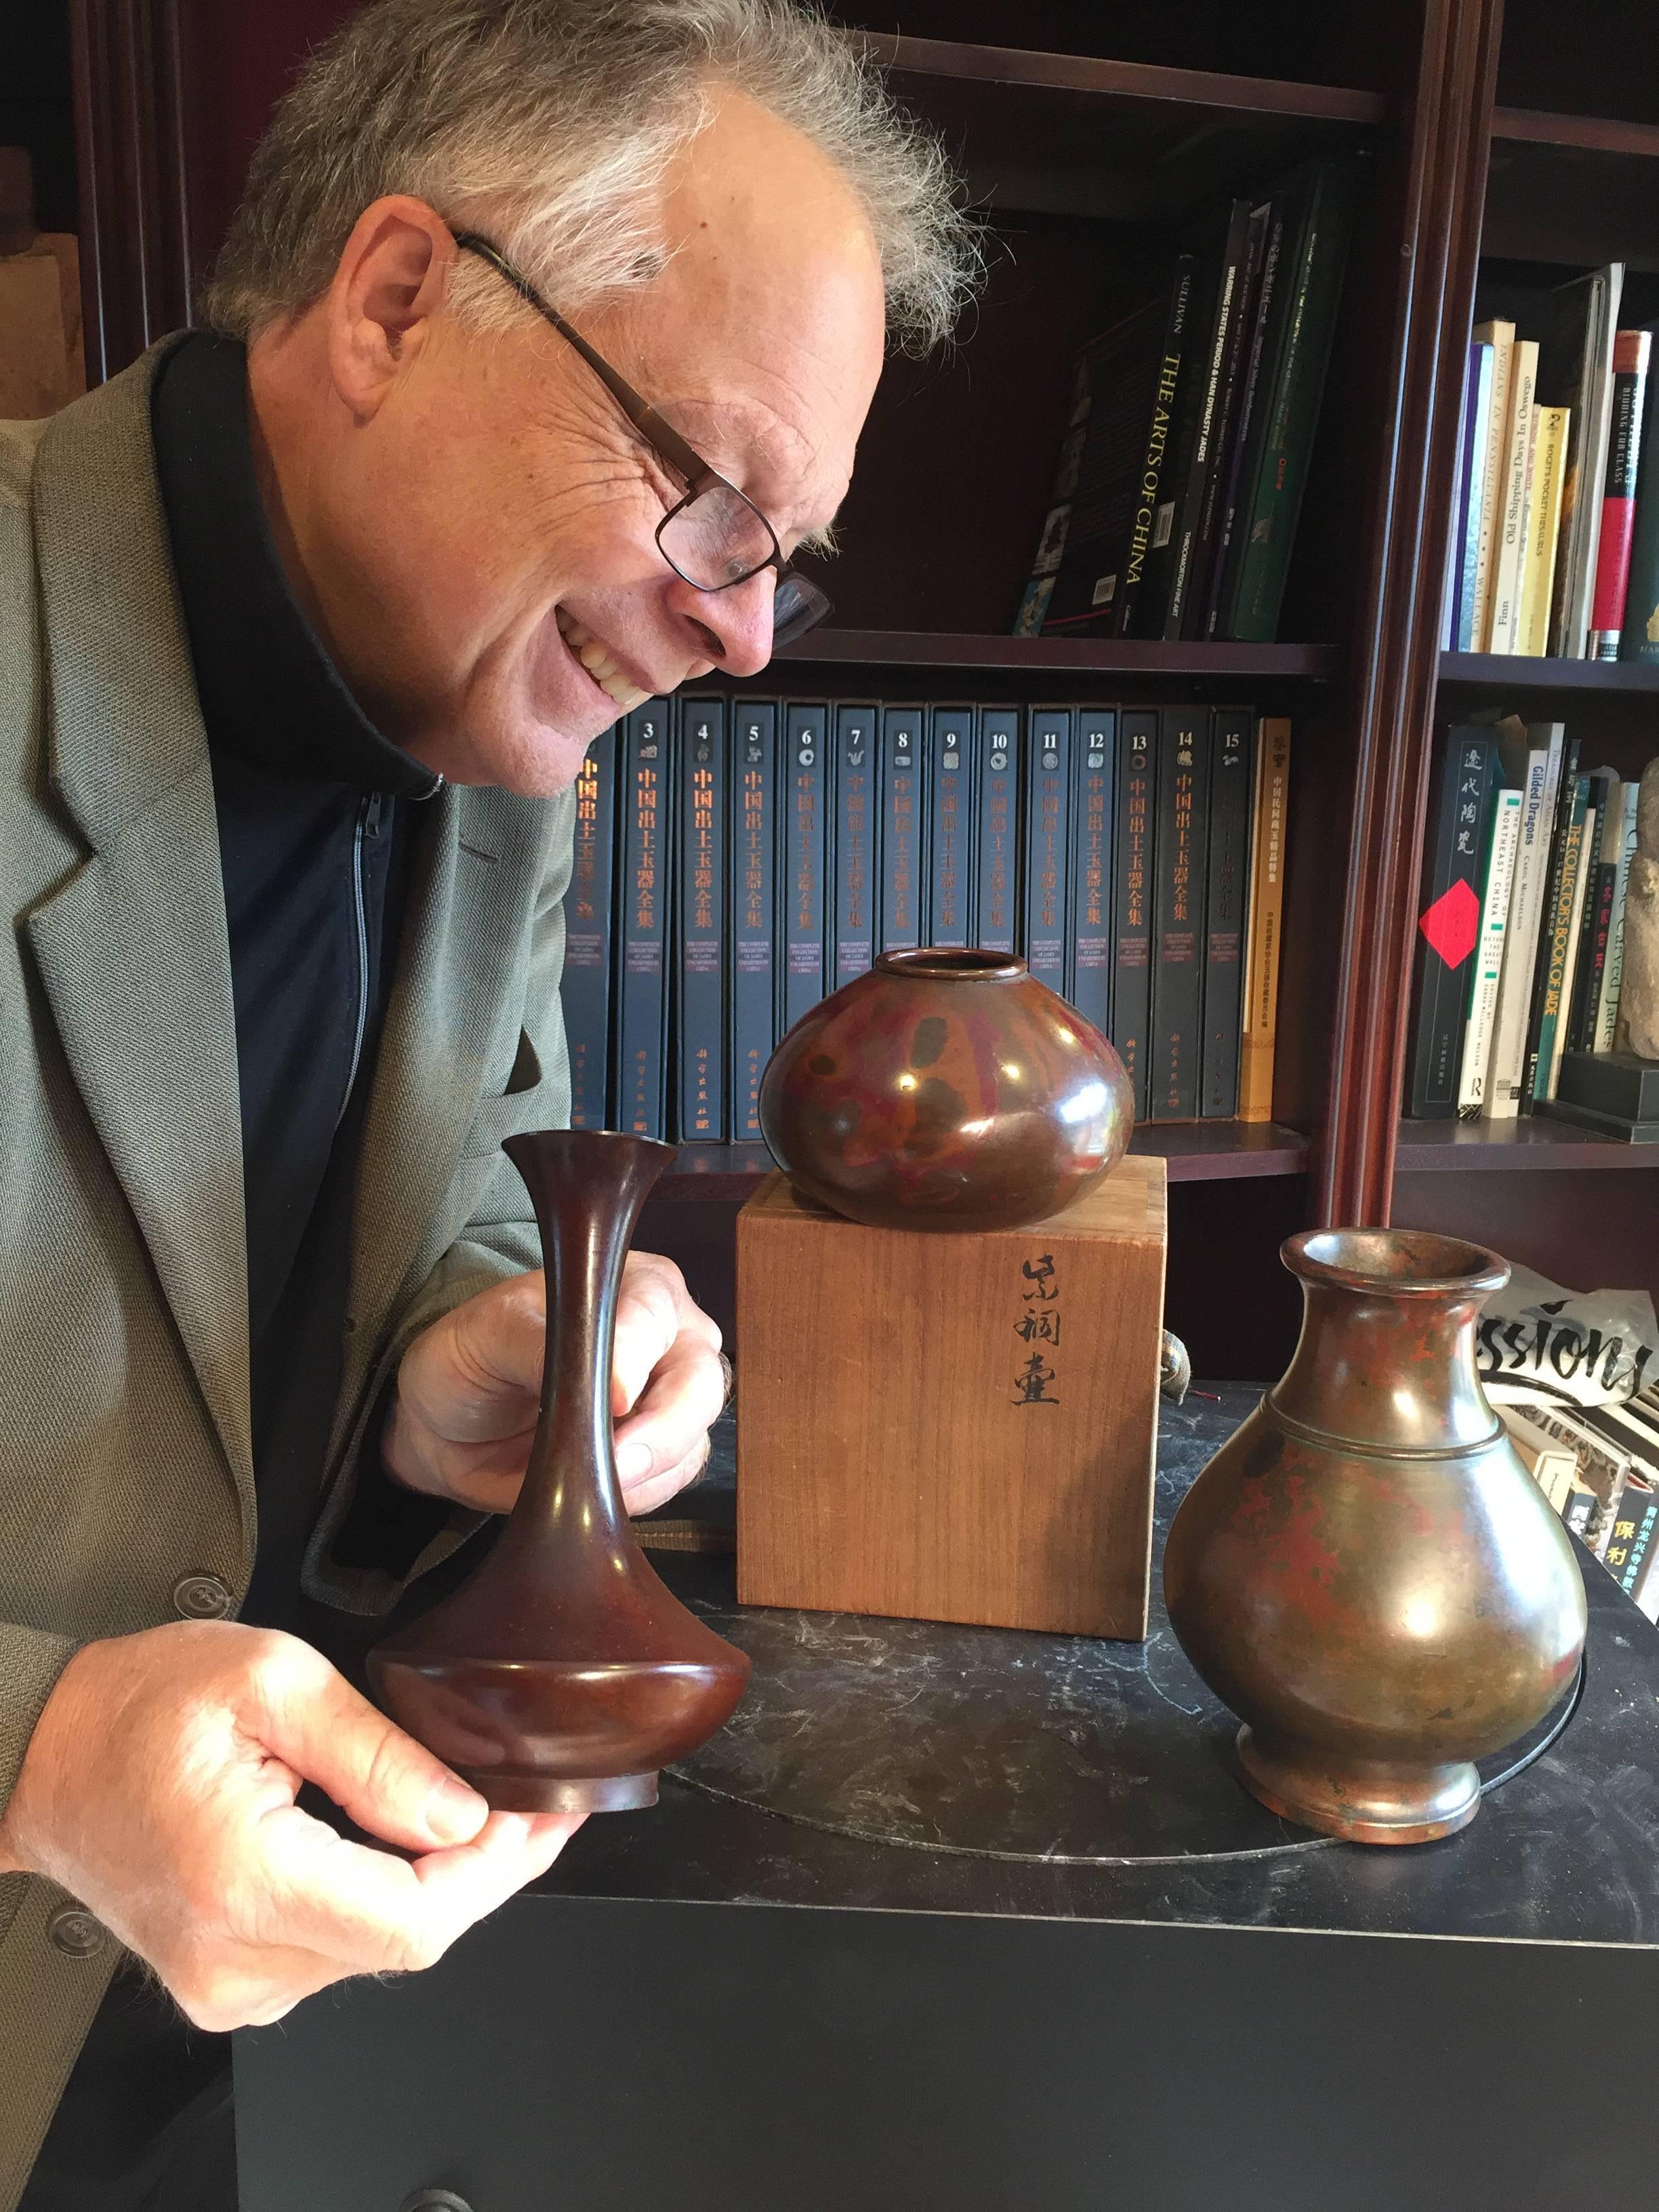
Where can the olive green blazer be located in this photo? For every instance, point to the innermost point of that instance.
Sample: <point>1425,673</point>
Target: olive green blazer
<point>125,1464</point>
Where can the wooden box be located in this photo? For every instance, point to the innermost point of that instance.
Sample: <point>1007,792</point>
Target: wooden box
<point>952,1427</point>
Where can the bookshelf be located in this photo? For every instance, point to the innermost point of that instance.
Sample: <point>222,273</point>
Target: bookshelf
<point>1506,149</point>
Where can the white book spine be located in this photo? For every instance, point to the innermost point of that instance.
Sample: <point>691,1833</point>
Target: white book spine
<point>1509,1053</point>
<point>1613,972</point>
<point>1574,930</point>
<point>1506,589</point>
<point>1479,1031</point>
<point>1500,335</point>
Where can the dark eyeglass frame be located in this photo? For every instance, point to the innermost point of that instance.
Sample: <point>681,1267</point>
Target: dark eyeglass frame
<point>797,608</point>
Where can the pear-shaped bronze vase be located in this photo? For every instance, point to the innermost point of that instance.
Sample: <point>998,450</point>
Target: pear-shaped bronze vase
<point>562,1675</point>
<point>1365,1571</point>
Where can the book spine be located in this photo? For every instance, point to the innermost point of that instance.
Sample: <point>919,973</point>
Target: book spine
<point>1543,1060</point>
<point>641,1023</point>
<point>584,986</point>
<point>1559,812</point>
<point>1269,822</point>
<point>753,834</point>
<point>1630,379</point>
<point>1476,429</point>
<point>1500,337</point>
<point>1179,855</point>
<point>1232,748</point>
<point>1451,590</point>
<point>1174,370</point>
<point>996,840</point>
<point>803,827</point>
<point>1132,897</point>
<point>1048,779</point>
<point>1489,956</point>
<point>1601,877</point>
<point>1250,400</point>
<point>1607,1017</point>
<point>1632,1534</point>
<point>1583,470</point>
<point>949,818</point>
<point>1575,936</point>
<point>1638,624</point>
<point>1056,524</point>
<point>1506,594</point>
<point>1551,428</point>
<point>1542,777</point>
<point>1089,949</point>
<point>1231,289</point>
<point>903,861</point>
<point>1449,925</point>
<point>700,1012</point>
<point>856,845</point>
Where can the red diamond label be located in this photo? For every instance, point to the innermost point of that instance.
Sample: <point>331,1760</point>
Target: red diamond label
<point>1452,924</point>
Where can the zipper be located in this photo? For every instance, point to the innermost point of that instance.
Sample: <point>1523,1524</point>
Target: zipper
<point>367,824</point>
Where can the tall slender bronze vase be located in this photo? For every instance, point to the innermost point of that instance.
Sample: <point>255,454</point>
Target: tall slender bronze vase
<point>1365,1571</point>
<point>562,1675</point>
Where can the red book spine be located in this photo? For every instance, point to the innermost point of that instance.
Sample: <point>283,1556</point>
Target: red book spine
<point>1630,371</point>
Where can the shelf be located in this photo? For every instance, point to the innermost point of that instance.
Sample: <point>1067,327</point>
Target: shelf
<point>1134,83</point>
<point>1588,134</point>
<point>1425,1147</point>
<point>1197,1152</point>
<point>1520,672</point>
<point>904,648</point>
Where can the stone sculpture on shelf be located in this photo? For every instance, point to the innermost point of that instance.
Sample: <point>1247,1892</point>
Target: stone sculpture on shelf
<point>1638,992</point>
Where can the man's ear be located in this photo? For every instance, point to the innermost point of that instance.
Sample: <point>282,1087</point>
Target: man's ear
<point>388,286</point>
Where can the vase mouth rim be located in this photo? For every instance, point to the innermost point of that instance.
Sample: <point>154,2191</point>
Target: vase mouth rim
<point>944,963</point>
<point>1407,1262</point>
<point>603,1139</point>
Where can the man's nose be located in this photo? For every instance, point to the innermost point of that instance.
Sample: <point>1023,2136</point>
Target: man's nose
<point>734,627</point>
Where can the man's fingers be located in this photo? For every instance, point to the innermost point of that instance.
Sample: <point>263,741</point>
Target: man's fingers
<point>379,1777</point>
<point>670,1423</point>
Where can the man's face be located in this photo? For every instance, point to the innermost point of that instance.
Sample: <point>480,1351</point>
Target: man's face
<point>480,547</point>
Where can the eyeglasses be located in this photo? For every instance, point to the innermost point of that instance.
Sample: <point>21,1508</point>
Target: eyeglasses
<point>716,537</point>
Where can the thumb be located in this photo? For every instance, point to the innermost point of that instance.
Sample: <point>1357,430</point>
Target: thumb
<point>382,1779</point>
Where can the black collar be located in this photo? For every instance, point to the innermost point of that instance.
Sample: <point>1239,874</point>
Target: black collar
<point>269,691</point>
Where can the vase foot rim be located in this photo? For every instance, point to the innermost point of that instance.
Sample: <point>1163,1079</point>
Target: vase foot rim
<point>541,1793</point>
<point>1404,1805</point>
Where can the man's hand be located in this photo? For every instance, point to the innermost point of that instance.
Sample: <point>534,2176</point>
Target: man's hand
<point>159,1788</point>
<point>468,1389</point>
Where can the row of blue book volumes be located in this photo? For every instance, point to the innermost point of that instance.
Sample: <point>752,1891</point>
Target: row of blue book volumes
<point>736,859</point>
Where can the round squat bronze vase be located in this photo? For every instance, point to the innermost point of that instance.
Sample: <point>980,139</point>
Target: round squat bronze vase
<point>562,1675</point>
<point>1365,1571</point>
<point>945,1089</point>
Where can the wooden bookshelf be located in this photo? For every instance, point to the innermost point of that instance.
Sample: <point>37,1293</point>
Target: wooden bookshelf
<point>1106,656</point>
<point>1517,672</point>
<point>1509,1148</point>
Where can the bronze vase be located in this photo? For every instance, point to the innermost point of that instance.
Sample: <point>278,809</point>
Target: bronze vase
<point>562,1675</point>
<point>1365,1571</point>
<point>945,1089</point>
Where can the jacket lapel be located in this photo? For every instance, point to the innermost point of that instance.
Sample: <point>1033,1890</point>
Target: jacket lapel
<point>132,950</point>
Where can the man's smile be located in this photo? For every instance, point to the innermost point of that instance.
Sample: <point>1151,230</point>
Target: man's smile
<point>599,662</point>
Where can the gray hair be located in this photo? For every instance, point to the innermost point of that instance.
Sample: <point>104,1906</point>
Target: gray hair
<point>552,123</point>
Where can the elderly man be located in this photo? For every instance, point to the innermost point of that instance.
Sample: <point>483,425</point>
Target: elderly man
<point>543,340</point>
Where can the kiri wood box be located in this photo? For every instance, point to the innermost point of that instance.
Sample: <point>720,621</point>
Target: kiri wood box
<point>950,1427</point>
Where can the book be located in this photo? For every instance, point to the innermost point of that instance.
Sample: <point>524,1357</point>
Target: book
<point>1179,857</point>
<point>1601,877</point>
<point>1603,1466</point>
<point>1512,532</point>
<point>1500,334</point>
<point>1477,434</point>
<point>1231,287</point>
<point>1550,431</point>
<point>1132,896</point>
<point>1575,371</point>
<point>1089,952</point>
<point>854,938</point>
<point>1575,938</point>
<point>1224,455</point>
<point>1138,611</point>
<point>1057,522</point>
<point>585,992</point>
<point>1557,935</point>
<point>1283,216</point>
<point>903,881</point>
<point>1547,917</point>
<point>1531,761</point>
<point>1448,920</point>
<point>1606,1012</point>
<point>996,836</point>
<point>1269,821</point>
<point>1638,623</point>
<point>639,1081</point>
<point>1048,779</point>
<point>1550,1464</point>
<point>803,859</point>
<point>1630,350</point>
<point>1479,1031</point>
<point>1274,501</point>
<point>752,835</point>
<point>950,814</point>
<point>700,1001</point>
<point>1451,584</point>
<point>1232,746</point>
